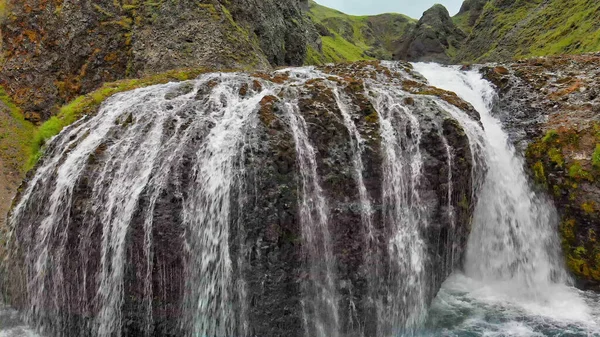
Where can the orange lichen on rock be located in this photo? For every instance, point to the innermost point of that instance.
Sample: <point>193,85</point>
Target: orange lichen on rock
<point>266,111</point>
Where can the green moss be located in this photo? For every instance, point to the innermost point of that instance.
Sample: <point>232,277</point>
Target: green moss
<point>556,157</point>
<point>539,173</point>
<point>588,207</point>
<point>556,190</point>
<point>3,10</point>
<point>596,157</point>
<point>464,202</point>
<point>550,136</point>
<point>372,118</point>
<point>15,136</point>
<point>576,171</point>
<point>89,104</point>
<point>567,230</point>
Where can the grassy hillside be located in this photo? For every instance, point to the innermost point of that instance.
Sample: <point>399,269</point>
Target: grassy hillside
<point>497,30</point>
<point>352,38</point>
<point>526,28</point>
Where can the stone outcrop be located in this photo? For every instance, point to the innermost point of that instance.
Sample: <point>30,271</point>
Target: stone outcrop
<point>435,38</point>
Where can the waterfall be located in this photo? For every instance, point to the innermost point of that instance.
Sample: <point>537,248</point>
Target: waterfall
<point>513,265</point>
<point>322,304</point>
<point>514,236</point>
<point>304,202</point>
<point>402,172</point>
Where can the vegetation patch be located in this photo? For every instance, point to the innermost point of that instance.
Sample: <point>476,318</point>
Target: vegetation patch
<point>349,38</point>
<point>15,135</point>
<point>565,162</point>
<point>90,103</point>
<point>596,157</point>
<point>523,29</point>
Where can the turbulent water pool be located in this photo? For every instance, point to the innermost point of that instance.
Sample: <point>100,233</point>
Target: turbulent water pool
<point>465,307</point>
<point>11,324</point>
<point>513,281</point>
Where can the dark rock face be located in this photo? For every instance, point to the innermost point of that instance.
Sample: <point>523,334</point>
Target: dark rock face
<point>553,106</point>
<point>265,245</point>
<point>435,38</point>
<point>282,28</point>
<point>474,8</point>
<point>54,50</point>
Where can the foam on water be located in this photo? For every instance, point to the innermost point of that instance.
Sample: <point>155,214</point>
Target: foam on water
<point>12,326</point>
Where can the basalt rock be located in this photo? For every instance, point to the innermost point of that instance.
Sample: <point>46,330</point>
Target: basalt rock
<point>259,197</point>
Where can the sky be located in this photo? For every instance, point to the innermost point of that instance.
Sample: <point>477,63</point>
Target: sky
<point>412,8</point>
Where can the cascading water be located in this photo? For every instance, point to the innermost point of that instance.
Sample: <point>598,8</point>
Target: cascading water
<point>298,203</point>
<point>513,259</point>
<point>402,172</point>
<point>321,306</point>
<point>158,215</point>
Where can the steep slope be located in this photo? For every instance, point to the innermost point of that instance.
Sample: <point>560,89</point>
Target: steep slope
<point>55,50</point>
<point>503,30</point>
<point>468,14</point>
<point>509,29</point>
<point>351,38</point>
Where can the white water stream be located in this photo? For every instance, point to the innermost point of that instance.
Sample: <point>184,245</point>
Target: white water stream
<point>514,281</point>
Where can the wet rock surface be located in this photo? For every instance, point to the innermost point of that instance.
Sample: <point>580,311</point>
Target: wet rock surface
<point>265,244</point>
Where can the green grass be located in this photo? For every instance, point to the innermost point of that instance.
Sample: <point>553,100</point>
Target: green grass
<point>528,28</point>
<point>596,157</point>
<point>567,27</point>
<point>90,103</point>
<point>462,22</point>
<point>337,49</point>
<point>15,136</point>
<point>355,38</point>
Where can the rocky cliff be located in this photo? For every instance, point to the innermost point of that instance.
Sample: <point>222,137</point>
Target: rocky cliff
<point>483,31</point>
<point>435,38</point>
<point>56,50</point>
